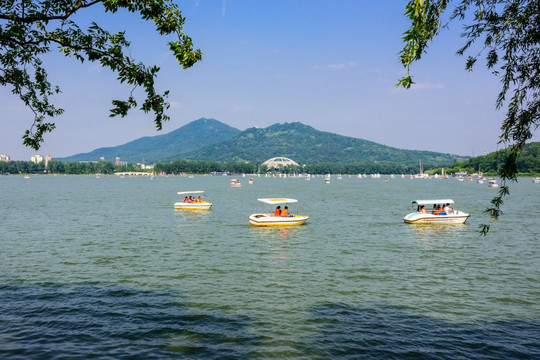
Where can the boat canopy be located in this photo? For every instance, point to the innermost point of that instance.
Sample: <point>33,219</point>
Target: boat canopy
<point>190,192</point>
<point>430,202</point>
<point>274,201</point>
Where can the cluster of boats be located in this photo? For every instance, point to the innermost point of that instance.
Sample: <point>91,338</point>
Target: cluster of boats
<point>419,215</point>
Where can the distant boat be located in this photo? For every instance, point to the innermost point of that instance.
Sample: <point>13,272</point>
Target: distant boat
<point>536,180</point>
<point>235,183</point>
<point>492,183</point>
<point>250,181</point>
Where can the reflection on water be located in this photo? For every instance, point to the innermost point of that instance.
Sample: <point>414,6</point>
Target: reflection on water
<point>435,231</point>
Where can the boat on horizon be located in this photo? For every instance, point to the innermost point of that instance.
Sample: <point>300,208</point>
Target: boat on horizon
<point>492,183</point>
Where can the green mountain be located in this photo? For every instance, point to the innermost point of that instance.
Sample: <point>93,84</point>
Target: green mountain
<point>152,149</point>
<point>211,140</point>
<point>306,145</point>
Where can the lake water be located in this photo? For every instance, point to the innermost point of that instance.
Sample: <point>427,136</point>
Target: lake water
<point>106,268</point>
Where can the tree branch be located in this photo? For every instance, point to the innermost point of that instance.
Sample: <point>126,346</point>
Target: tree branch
<point>32,19</point>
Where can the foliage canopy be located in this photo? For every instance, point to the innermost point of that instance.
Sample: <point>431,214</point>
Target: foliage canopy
<point>508,35</point>
<point>31,29</point>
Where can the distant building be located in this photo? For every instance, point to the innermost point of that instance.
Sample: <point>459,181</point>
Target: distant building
<point>279,162</point>
<point>36,159</point>
<point>102,158</point>
<point>4,158</point>
<point>144,167</point>
<point>47,159</point>
<point>117,161</point>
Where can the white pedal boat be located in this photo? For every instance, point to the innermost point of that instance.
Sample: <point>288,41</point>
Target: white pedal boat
<point>192,205</point>
<point>271,219</point>
<point>429,217</point>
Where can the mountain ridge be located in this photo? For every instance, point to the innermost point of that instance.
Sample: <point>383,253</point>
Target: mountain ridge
<point>152,149</point>
<point>211,140</point>
<point>304,144</point>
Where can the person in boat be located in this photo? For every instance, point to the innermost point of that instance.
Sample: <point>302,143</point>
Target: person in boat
<point>199,199</point>
<point>278,211</point>
<point>185,199</point>
<point>285,212</point>
<point>434,210</point>
<point>447,209</point>
<point>423,209</point>
<point>440,210</point>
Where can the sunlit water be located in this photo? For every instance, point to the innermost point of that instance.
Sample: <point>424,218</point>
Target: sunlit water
<point>106,268</point>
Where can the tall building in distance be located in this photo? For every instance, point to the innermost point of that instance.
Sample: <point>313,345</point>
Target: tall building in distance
<point>4,158</point>
<point>47,159</point>
<point>36,159</point>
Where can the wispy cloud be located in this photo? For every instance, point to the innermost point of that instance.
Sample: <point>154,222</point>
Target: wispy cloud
<point>223,8</point>
<point>176,105</point>
<point>338,66</point>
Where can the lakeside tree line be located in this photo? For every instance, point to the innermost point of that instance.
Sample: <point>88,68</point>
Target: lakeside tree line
<point>63,167</point>
<point>528,164</point>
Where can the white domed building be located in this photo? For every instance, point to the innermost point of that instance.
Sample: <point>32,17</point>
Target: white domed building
<point>279,162</point>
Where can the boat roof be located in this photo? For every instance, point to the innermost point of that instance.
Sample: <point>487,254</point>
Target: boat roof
<point>436,201</point>
<point>190,192</point>
<point>273,201</point>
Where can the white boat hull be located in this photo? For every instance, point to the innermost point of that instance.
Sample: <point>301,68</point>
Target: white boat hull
<point>192,206</point>
<point>261,220</point>
<point>457,217</point>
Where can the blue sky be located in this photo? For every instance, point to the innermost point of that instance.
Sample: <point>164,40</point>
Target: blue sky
<point>332,65</point>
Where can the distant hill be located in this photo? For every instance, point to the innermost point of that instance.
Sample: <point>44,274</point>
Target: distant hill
<point>152,149</point>
<point>306,145</point>
<point>211,140</point>
<point>528,161</point>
